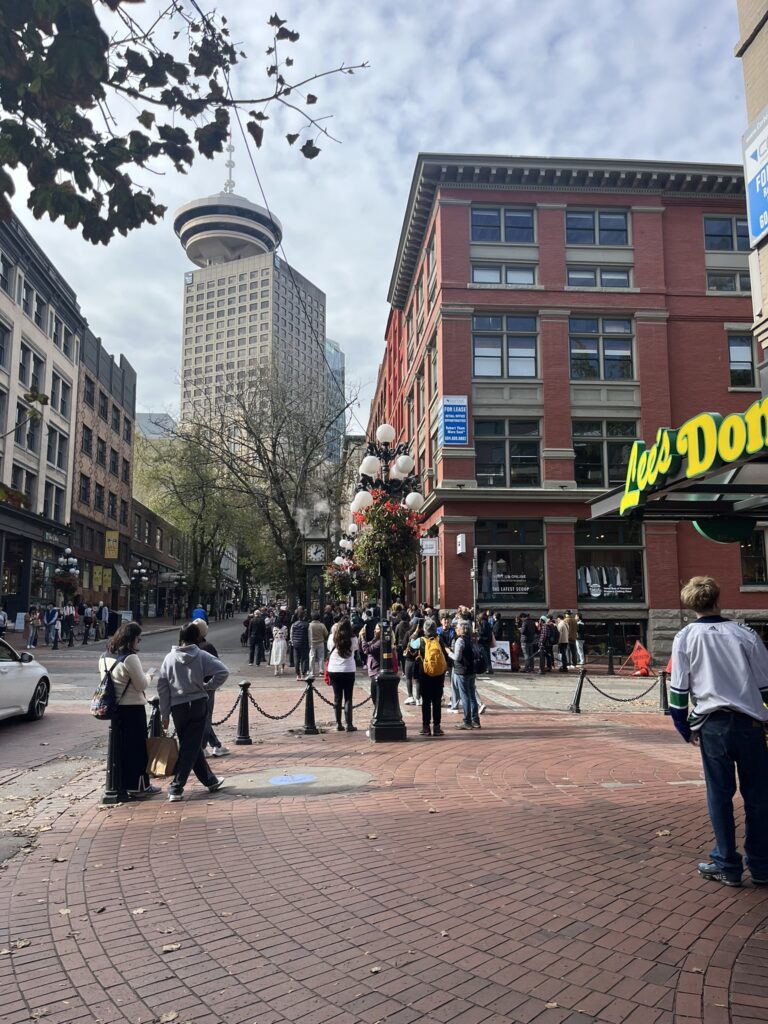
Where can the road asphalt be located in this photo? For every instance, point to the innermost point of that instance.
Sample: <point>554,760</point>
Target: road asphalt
<point>539,869</point>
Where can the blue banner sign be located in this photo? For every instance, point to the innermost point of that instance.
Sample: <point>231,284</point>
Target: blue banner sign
<point>453,421</point>
<point>755,143</point>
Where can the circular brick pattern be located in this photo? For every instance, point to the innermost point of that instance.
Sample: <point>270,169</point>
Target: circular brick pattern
<point>297,780</point>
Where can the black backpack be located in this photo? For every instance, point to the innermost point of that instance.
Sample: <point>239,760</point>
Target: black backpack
<point>104,701</point>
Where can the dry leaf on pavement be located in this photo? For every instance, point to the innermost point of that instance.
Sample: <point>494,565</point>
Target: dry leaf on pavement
<point>663,832</point>
<point>138,910</point>
<point>166,1018</point>
<point>171,947</point>
<point>371,835</point>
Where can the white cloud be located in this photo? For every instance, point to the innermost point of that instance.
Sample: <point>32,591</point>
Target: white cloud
<point>651,79</point>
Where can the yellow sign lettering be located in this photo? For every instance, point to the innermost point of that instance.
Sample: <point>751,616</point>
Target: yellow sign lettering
<point>697,439</point>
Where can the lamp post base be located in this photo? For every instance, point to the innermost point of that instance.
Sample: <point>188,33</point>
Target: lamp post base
<point>387,725</point>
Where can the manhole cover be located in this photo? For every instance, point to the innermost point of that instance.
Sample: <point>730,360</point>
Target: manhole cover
<point>297,781</point>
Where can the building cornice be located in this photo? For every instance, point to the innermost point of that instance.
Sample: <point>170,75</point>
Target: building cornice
<point>542,174</point>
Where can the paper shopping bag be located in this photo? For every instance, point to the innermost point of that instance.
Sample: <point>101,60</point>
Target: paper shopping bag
<point>162,755</point>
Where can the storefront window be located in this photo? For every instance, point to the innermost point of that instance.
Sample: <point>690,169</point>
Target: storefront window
<point>609,561</point>
<point>510,561</point>
<point>753,572</point>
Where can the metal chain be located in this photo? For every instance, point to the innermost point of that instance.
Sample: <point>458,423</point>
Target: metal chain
<point>227,717</point>
<point>322,698</point>
<point>277,718</point>
<point>331,704</point>
<point>621,700</point>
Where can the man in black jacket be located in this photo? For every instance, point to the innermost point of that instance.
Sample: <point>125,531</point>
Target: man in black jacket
<point>300,643</point>
<point>527,640</point>
<point>257,634</point>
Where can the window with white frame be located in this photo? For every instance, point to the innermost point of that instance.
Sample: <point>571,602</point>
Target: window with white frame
<point>596,227</point>
<point>741,360</point>
<point>599,277</point>
<point>601,348</point>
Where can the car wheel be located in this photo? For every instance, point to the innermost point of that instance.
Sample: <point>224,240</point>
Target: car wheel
<point>39,702</point>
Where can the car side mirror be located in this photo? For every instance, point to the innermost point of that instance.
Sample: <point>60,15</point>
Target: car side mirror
<point>25,656</point>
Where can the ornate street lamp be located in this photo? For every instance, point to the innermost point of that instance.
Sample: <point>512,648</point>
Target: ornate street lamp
<point>139,580</point>
<point>387,467</point>
<point>68,567</point>
<point>179,581</point>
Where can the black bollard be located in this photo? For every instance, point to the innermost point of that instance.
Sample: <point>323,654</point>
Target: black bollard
<point>71,636</point>
<point>610,662</point>
<point>243,728</point>
<point>114,793</point>
<point>575,707</point>
<point>55,640</point>
<point>663,695</point>
<point>155,725</point>
<point>310,729</point>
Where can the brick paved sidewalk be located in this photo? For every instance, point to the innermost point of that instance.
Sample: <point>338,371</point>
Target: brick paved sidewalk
<point>542,869</point>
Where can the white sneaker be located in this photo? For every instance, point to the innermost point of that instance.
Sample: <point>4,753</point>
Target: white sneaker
<point>481,708</point>
<point>452,711</point>
<point>409,700</point>
<point>221,751</point>
<point>174,797</point>
<point>419,702</point>
<point>217,784</point>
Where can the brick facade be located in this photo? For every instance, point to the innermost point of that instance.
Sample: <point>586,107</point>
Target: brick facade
<point>680,366</point>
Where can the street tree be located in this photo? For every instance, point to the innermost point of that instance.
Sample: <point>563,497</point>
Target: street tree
<point>176,480</point>
<point>273,442</point>
<point>94,92</point>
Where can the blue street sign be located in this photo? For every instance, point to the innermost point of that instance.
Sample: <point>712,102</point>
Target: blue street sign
<point>755,142</point>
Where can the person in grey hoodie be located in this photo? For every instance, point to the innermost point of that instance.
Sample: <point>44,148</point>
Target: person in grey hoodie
<point>186,678</point>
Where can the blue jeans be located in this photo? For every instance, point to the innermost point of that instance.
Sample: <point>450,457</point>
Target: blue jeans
<point>731,741</point>
<point>468,693</point>
<point>455,692</point>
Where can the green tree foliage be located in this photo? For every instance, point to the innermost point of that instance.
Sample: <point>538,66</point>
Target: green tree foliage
<point>175,481</point>
<point>91,96</point>
<point>269,440</point>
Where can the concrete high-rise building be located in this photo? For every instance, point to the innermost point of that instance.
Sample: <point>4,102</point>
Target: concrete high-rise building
<point>246,312</point>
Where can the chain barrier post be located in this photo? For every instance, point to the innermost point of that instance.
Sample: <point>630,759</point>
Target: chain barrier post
<point>155,726</point>
<point>243,729</point>
<point>663,694</point>
<point>114,793</point>
<point>575,707</point>
<point>387,725</point>
<point>310,728</point>
<point>611,671</point>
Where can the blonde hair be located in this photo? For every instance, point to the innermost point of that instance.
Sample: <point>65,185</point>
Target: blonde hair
<point>700,593</point>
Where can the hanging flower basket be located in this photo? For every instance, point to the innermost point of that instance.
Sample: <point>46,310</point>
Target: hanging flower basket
<point>389,535</point>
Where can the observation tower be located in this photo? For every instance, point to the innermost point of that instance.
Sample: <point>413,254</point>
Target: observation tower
<point>225,227</point>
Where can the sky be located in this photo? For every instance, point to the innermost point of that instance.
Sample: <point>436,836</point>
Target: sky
<point>644,79</point>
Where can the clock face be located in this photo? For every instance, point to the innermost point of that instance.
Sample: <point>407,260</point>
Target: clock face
<point>315,552</point>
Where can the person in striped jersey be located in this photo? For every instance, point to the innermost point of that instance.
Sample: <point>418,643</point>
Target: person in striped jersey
<point>721,666</point>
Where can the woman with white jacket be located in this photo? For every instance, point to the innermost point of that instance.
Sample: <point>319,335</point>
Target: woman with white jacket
<point>121,658</point>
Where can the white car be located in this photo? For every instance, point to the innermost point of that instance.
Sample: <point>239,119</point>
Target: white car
<point>24,684</point>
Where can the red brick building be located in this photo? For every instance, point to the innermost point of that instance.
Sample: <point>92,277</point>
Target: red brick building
<point>556,310</point>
